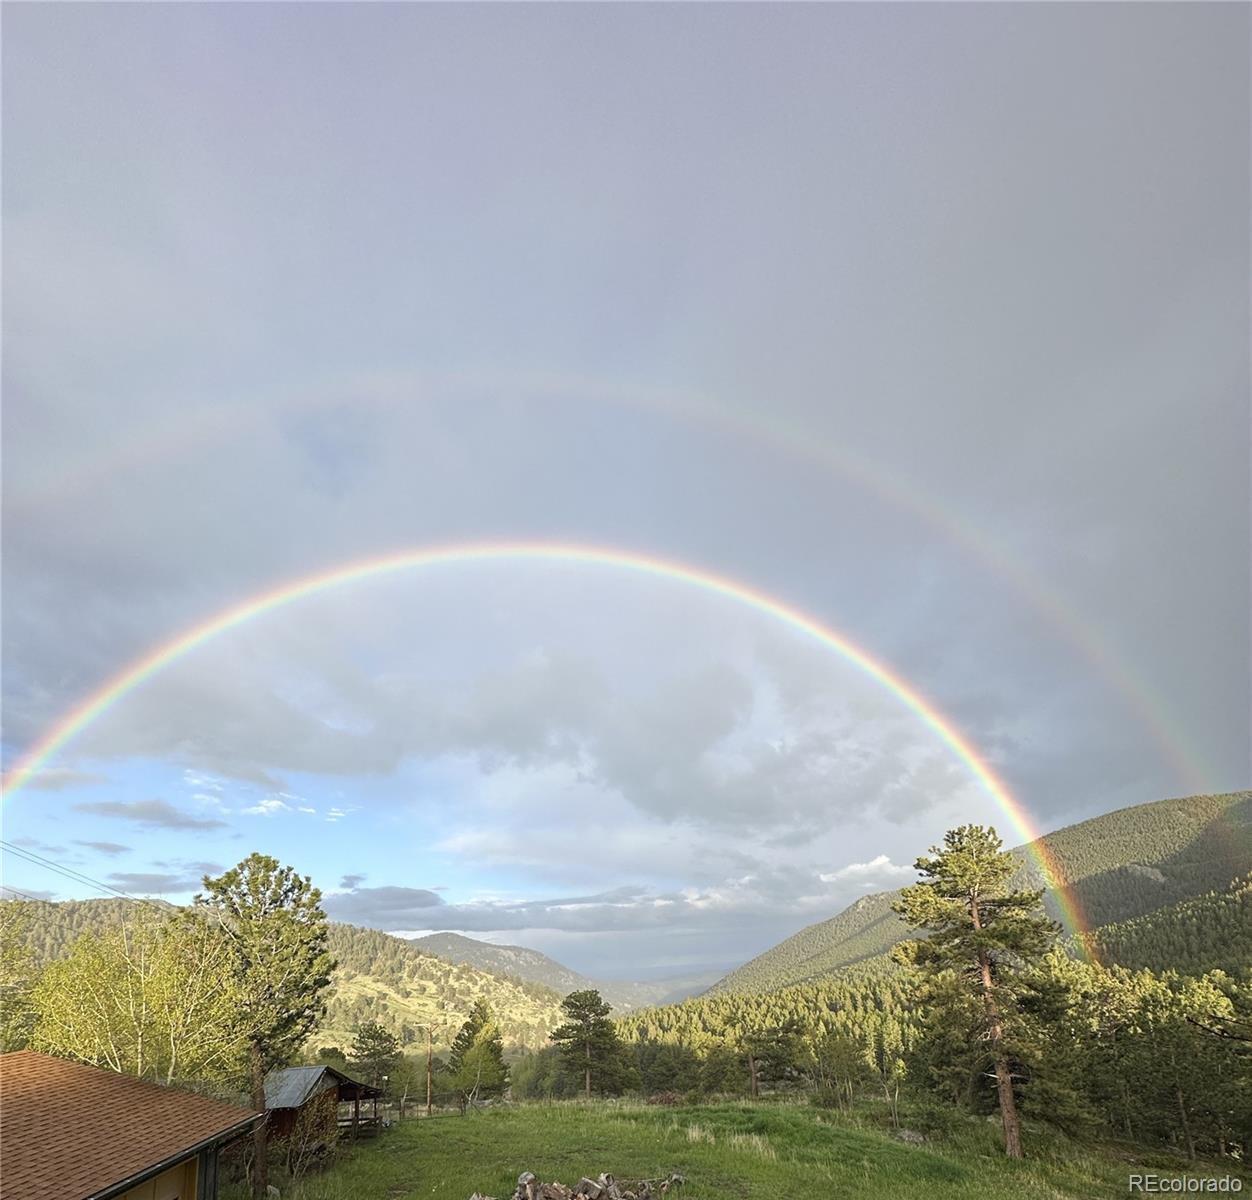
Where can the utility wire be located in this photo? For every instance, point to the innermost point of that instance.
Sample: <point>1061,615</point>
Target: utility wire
<point>70,873</point>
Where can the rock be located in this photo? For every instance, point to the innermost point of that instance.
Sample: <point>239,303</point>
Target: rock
<point>272,1193</point>
<point>911,1136</point>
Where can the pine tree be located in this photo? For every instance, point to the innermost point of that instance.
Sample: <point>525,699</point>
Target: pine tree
<point>375,1053</point>
<point>589,1043</point>
<point>982,931</point>
<point>277,933</point>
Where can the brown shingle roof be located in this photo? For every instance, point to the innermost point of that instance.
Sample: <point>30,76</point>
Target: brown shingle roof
<point>69,1131</point>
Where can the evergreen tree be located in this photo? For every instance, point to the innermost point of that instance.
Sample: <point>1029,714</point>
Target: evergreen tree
<point>277,934</point>
<point>983,932</point>
<point>589,1044</point>
<point>375,1053</point>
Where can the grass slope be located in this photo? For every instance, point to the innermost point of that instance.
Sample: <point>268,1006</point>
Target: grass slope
<point>1121,866</point>
<point>727,1151</point>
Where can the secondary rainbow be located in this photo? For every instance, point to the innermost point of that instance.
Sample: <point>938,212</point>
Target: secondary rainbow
<point>156,660</point>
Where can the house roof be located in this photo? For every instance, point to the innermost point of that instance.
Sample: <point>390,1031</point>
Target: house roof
<point>74,1132</point>
<point>290,1087</point>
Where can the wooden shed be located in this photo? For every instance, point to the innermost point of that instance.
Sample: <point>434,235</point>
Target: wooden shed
<point>293,1090</point>
<point>74,1132</point>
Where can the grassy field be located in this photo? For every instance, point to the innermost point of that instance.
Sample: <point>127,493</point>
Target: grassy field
<point>726,1151</point>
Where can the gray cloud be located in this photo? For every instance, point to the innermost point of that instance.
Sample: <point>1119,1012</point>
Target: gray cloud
<point>152,813</point>
<point>352,881</point>
<point>55,779</point>
<point>382,907</point>
<point>112,849</point>
<point>151,882</point>
<point>930,399</point>
<point>9,893</point>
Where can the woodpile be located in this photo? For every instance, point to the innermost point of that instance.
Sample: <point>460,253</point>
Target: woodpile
<point>604,1187</point>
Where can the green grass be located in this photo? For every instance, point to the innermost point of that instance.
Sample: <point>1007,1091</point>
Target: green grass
<point>727,1151</point>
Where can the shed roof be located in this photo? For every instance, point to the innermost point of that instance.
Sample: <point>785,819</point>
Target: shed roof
<point>290,1087</point>
<point>73,1132</point>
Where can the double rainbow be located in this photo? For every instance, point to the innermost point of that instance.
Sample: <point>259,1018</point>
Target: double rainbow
<point>156,660</point>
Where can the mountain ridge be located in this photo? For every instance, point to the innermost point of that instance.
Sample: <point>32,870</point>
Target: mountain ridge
<point>1120,866</point>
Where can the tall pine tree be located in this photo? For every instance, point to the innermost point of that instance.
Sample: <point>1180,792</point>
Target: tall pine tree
<point>589,1043</point>
<point>277,931</point>
<point>982,932</point>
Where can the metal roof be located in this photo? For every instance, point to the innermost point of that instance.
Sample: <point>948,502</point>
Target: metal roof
<point>290,1087</point>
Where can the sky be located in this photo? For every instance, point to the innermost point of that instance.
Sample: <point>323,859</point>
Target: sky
<point>930,322</point>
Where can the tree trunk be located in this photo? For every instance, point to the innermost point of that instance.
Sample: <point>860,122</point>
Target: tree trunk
<point>260,1136</point>
<point>995,1028</point>
<point>756,1091</point>
<point>1186,1125</point>
<point>430,1051</point>
<point>587,1073</point>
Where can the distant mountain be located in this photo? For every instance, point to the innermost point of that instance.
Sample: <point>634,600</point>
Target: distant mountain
<point>1121,866</point>
<point>538,968</point>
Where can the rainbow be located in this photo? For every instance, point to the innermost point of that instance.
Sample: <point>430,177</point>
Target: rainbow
<point>169,652</point>
<point>183,433</point>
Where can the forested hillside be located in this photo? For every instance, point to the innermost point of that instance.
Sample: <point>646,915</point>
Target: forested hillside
<point>1210,933</point>
<point>379,978</point>
<point>1120,866</point>
<point>539,968</point>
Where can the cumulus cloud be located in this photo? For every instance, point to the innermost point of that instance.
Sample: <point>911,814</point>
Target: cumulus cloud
<point>876,869</point>
<point>269,807</point>
<point>349,882</point>
<point>151,813</point>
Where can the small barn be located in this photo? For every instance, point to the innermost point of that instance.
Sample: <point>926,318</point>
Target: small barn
<point>292,1091</point>
<point>73,1132</point>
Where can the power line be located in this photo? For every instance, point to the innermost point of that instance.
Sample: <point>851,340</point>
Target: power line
<point>70,873</point>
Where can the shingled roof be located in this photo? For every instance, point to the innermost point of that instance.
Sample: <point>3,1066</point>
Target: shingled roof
<point>73,1132</point>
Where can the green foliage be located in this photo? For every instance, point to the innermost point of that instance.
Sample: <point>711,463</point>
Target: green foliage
<point>984,934</point>
<point>17,972</point>
<point>378,977</point>
<point>476,1067</point>
<point>151,997</point>
<point>1209,933</point>
<point>280,967</point>
<point>390,980</point>
<point>590,1047</point>
<point>374,1054</point>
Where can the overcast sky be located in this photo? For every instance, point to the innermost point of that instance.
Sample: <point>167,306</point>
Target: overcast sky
<point>931,322</point>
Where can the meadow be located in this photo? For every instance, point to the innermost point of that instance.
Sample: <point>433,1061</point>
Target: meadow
<point>726,1150</point>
